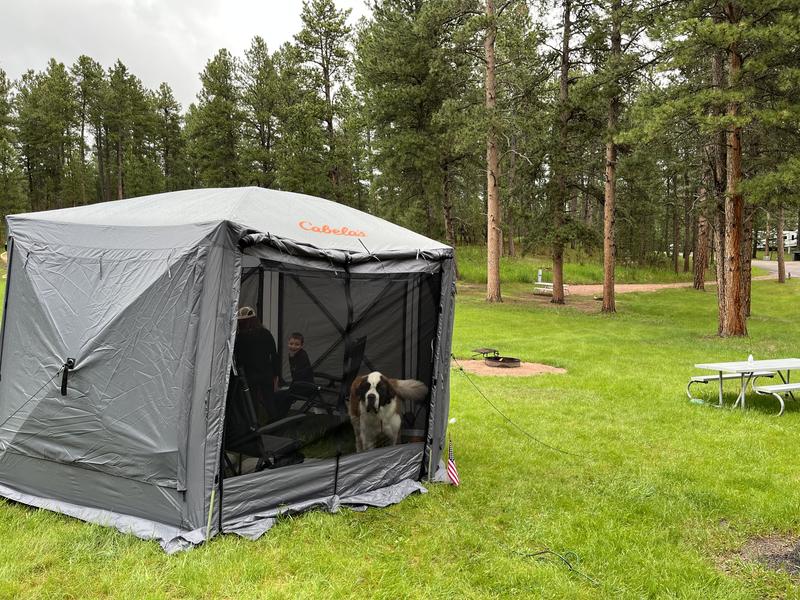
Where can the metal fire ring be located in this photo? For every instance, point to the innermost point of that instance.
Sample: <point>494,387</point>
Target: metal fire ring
<point>502,362</point>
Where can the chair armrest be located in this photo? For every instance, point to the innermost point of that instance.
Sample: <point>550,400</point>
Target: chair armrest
<point>303,386</point>
<point>331,379</point>
<point>278,424</point>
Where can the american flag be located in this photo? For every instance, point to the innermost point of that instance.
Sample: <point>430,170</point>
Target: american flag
<point>452,472</point>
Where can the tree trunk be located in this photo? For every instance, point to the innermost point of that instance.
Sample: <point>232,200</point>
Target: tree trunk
<point>719,250</point>
<point>333,169</point>
<point>120,192</point>
<point>447,208</point>
<point>101,181</point>
<point>511,196</point>
<point>687,225</point>
<point>108,162</point>
<point>766,238</point>
<point>701,243</point>
<point>560,199</point>
<point>586,213</point>
<point>83,148</point>
<point>735,323</point>
<point>781,258</point>
<point>429,218</point>
<point>719,172</point>
<point>676,232</point>
<point>493,249</point>
<point>610,192</point>
<point>747,257</point>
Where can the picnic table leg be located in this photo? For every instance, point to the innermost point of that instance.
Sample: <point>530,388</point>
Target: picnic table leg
<point>720,390</point>
<point>786,380</point>
<point>740,399</point>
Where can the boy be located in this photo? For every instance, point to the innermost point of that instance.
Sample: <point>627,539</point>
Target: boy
<point>299,364</point>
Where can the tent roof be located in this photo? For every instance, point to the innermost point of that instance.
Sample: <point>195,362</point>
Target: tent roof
<point>298,217</point>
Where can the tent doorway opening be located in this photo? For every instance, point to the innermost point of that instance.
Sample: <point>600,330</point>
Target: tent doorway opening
<point>303,336</point>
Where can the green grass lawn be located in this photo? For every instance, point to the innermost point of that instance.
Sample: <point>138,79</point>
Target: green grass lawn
<point>657,501</point>
<point>578,269</point>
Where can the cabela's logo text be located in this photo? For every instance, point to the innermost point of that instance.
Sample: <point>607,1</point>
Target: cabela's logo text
<point>308,226</point>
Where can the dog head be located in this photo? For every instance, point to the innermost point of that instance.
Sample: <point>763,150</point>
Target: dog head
<point>373,391</point>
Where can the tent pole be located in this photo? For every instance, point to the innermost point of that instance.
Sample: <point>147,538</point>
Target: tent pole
<point>260,301</point>
<point>436,341</point>
<point>5,301</point>
<point>210,512</point>
<point>348,343</point>
<point>281,332</point>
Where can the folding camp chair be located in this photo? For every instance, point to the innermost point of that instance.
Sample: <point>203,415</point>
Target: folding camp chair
<point>244,435</point>
<point>339,387</point>
<point>306,395</point>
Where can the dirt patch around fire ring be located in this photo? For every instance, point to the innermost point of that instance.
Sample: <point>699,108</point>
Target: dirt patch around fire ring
<point>775,552</point>
<point>525,369</point>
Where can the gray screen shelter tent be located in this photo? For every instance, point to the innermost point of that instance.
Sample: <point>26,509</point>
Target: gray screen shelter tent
<point>117,359</point>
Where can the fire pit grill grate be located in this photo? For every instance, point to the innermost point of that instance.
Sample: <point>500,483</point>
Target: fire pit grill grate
<point>492,358</point>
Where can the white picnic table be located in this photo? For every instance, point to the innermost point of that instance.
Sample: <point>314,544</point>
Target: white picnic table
<point>747,368</point>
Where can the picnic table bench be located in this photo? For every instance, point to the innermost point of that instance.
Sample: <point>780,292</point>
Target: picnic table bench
<point>545,288</point>
<point>778,391</point>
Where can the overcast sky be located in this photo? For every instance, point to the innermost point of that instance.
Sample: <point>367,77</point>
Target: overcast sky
<point>158,40</point>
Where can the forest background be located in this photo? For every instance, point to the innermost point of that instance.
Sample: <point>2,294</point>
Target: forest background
<point>651,132</point>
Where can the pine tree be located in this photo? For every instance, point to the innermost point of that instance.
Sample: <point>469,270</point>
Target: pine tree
<point>170,141</point>
<point>260,101</point>
<point>421,95</point>
<point>728,59</point>
<point>559,190</point>
<point>12,181</point>
<point>88,76</point>
<point>116,115</point>
<point>46,117</point>
<point>323,44</point>
<point>610,191</point>
<point>130,118</point>
<point>300,150</point>
<point>214,124</point>
<point>351,150</point>
<point>493,237</point>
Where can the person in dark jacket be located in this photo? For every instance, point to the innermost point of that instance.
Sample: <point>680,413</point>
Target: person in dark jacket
<point>256,354</point>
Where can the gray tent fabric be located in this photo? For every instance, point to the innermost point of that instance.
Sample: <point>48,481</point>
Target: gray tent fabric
<point>171,539</point>
<point>140,296</point>
<point>301,220</point>
<point>257,524</point>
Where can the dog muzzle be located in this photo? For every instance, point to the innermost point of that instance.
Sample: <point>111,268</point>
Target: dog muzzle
<point>372,403</point>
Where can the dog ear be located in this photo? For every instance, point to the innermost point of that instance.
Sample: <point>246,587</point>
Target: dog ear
<point>354,407</point>
<point>355,385</point>
<point>391,390</point>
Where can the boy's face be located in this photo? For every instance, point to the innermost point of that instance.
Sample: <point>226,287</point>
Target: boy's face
<point>294,345</point>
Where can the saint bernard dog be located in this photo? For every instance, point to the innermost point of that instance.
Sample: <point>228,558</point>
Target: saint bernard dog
<point>376,408</point>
